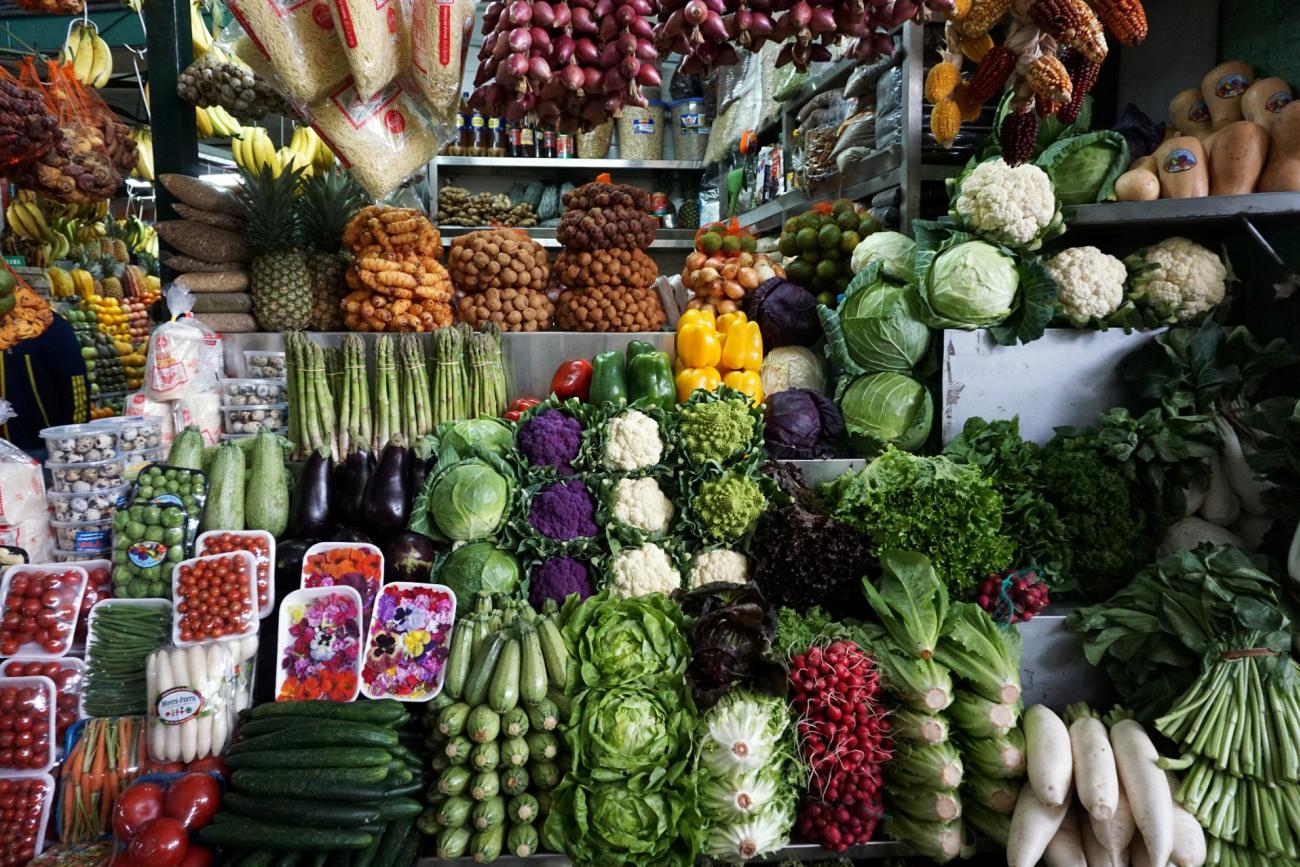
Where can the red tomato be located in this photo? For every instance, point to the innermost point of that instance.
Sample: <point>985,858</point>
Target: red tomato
<point>210,764</point>
<point>197,857</point>
<point>193,799</point>
<point>136,806</point>
<point>161,842</point>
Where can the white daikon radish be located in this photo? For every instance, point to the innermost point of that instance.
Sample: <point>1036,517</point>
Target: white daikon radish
<point>219,669</point>
<point>157,731</point>
<point>1098,855</point>
<point>1033,825</point>
<point>172,733</point>
<point>1248,487</point>
<point>1145,787</point>
<point>1116,832</point>
<point>1048,756</point>
<point>183,667</point>
<point>1189,836</point>
<point>1066,848</point>
<point>1095,777</point>
<point>1193,498</point>
<point>198,659</point>
<point>1138,855</point>
<point>1221,505</point>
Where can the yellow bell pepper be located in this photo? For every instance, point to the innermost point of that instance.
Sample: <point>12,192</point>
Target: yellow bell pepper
<point>743,348</point>
<point>727,320</point>
<point>746,381</point>
<point>692,378</point>
<point>698,344</point>
<point>700,314</point>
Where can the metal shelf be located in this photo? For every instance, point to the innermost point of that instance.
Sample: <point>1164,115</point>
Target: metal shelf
<point>793,852</point>
<point>665,239</point>
<point>1206,209</point>
<point>877,172</point>
<point>492,164</point>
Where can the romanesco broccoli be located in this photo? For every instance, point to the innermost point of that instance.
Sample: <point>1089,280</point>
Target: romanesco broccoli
<point>716,430</point>
<point>729,506</point>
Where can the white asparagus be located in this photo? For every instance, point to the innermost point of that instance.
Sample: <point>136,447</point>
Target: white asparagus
<point>1033,825</point>
<point>1189,836</point>
<point>1049,761</point>
<point>1116,832</point>
<point>198,659</point>
<point>1099,855</point>
<point>157,731</point>
<point>1095,777</point>
<point>1066,847</point>
<point>1145,786</point>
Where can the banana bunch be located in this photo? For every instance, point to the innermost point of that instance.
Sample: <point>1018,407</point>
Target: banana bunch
<point>61,285</point>
<point>89,54</point>
<point>306,151</point>
<point>200,37</point>
<point>253,149</point>
<point>143,137</point>
<point>25,220</point>
<point>215,122</point>
<point>140,237</point>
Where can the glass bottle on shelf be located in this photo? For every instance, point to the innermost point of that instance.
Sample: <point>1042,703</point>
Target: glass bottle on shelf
<point>527,139</point>
<point>464,135</point>
<point>496,137</point>
<point>478,130</point>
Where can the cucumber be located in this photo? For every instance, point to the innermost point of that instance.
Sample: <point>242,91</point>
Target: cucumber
<point>187,449</point>
<point>555,653</point>
<point>304,782</point>
<point>545,775</point>
<point>320,735</point>
<point>406,754</point>
<point>522,809</point>
<point>514,752</point>
<point>394,839</point>
<point>251,833</point>
<point>366,857</point>
<point>250,728</point>
<point>514,722</point>
<point>543,716</point>
<point>483,725</point>
<point>454,781</point>
<point>458,660</point>
<point>489,813</point>
<point>225,506</point>
<point>503,692</point>
<point>397,770</point>
<point>458,750</point>
<point>453,843</point>
<point>411,848</point>
<point>333,757</point>
<point>543,746</point>
<point>301,811</point>
<point>515,782</point>
<point>395,809</point>
<point>266,496</point>
<point>486,845</point>
<point>382,712</point>
<point>454,812</point>
<point>521,841</point>
<point>257,859</point>
<point>485,757</point>
<point>480,672</point>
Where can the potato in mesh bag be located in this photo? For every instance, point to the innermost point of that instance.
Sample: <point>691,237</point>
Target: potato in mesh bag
<point>296,39</point>
<point>437,55</point>
<point>374,38</point>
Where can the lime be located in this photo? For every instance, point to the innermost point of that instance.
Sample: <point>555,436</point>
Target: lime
<point>849,241</point>
<point>840,206</point>
<point>829,236</point>
<point>731,244</point>
<point>791,225</point>
<point>819,285</point>
<point>176,554</point>
<point>788,245</point>
<point>828,269</point>
<point>868,224</point>
<point>153,533</point>
<point>135,530</point>
<point>799,272</point>
<point>748,243</point>
<point>173,535</point>
<point>812,257</point>
<point>157,589</point>
<point>827,298</point>
<point>710,242</point>
<point>847,219</point>
<point>807,238</point>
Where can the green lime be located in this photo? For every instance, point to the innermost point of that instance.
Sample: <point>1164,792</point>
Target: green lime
<point>731,244</point>
<point>157,589</point>
<point>827,298</point>
<point>849,240</point>
<point>788,245</point>
<point>173,536</point>
<point>806,238</point>
<point>135,530</point>
<point>819,285</point>
<point>120,520</point>
<point>710,242</point>
<point>152,515</point>
<point>791,225</point>
<point>829,236</point>
<point>799,272</point>
<point>868,224</point>
<point>828,269</point>
<point>173,517</point>
<point>176,554</point>
<point>121,575</point>
<point>748,243</point>
<point>812,257</point>
<point>840,206</point>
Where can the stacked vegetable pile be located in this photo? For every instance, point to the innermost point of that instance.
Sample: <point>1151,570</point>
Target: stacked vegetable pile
<point>493,731</point>
<point>819,245</point>
<point>396,281</point>
<point>457,206</point>
<point>725,268</point>
<point>503,276</point>
<point>600,217</point>
<point>712,352</point>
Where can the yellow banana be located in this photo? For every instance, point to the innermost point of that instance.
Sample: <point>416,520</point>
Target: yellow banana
<point>200,37</point>
<point>84,58</point>
<point>203,123</point>
<point>237,149</point>
<point>103,62</point>
<point>14,217</point>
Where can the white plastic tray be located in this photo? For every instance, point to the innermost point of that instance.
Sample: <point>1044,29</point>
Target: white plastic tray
<point>73,690</point>
<point>47,805</point>
<point>373,582</point>
<point>35,650</point>
<point>282,638</point>
<point>265,564</point>
<point>160,604</point>
<point>47,686</point>
<point>250,573</point>
<point>372,632</point>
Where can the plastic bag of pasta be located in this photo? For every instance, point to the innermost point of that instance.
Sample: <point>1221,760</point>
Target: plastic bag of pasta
<point>374,38</point>
<point>292,43</point>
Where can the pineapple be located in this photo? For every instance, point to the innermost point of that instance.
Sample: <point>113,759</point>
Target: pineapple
<point>328,202</point>
<point>281,286</point>
<point>111,277</point>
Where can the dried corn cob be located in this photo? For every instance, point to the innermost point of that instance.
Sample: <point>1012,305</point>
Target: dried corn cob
<point>1017,136</point>
<point>984,15</point>
<point>960,10</point>
<point>1083,75</point>
<point>945,122</point>
<point>970,109</point>
<point>940,81</point>
<point>1045,108</point>
<point>991,74</point>
<point>975,47</point>
<point>1124,18</point>
<point>1048,78</point>
<point>1072,24</point>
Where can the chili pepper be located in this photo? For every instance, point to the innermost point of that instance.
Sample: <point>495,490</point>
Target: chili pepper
<point>572,379</point>
<point>608,380</point>
<point>743,347</point>
<point>698,344</point>
<point>639,347</point>
<point>650,380</point>
<point>692,378</point>
<point>746,381</point>
<point>518,407</point>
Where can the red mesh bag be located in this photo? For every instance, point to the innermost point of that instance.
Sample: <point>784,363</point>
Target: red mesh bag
<point>27,129</point>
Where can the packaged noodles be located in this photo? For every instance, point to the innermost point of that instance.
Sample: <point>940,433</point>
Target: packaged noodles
<point>297,38</point>
<point>438,42</point>
<point>374,38</point>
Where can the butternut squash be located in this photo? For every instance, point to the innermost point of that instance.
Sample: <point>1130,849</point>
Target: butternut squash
<point>1139,183</point>
<point>1189,114</point>
<point>1180,165</point>
<point>1282,172</point>
<point>1264,99</point>
<point>1222,88</point>
<point>1237,156</point>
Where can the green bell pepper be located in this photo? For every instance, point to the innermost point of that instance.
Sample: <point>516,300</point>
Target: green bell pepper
<point>608,381</point>
<point>650,380</point>
<point>639,347</point>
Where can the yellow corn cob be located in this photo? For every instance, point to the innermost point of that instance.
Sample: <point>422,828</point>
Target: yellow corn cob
<point>970,109</point>
<point>983,15</point>
<point>960,9</point>
<point>975,47</point>
<point>1048,78</point>
<point>1072,24</point>
<point>1124,18</point>
<point>945,122</point>
<point>940,81</point>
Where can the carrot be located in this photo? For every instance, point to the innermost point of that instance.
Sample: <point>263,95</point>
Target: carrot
<point>123,741</point>
<point>90,736</point>
<point>97,766</point>
<point>66,816</point>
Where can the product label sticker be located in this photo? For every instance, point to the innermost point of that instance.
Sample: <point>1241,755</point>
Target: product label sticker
<point>178,705</point>
<point>1198,112</point>
<point>345,23</point>
<point>1232,84</point>
<point>1277,101</point>
<point>90,540</point>
<point>285,8</point>
<point>692,123</point>
<point>1178,160</point>
<point>320,13</point>
<point>444,31</point>
<point>360,111</point>
<point>166,500</point>
<point>147,554</point>
<point>643,126</point>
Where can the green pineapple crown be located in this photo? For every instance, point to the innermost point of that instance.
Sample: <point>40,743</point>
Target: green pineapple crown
<point>271,219</point>
<point>328,202</point>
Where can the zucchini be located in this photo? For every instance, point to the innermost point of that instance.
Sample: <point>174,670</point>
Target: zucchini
<point>543,716</point>
<point>514,752</point>
<point>304,782</point>
<point>453,781</point>
<point>428,823</point>
<point>320,735</point>
<point>486,845</point>
<point>489,813</point>
<point>453,843</point>
<point>301,811</point>
<point>480,672</point>
<point>546,775</point>
<point>485,785</point>
<point>532,670</point>
<point>394,809</point>
<point>251,833</point>
<point>522,809</point>
<point>333,757</point>
<point>503,692</point>
<point>515,782</point>
<point>521,841</point>
<point>555,653</point>
<point>481,633</point>
<point>458,750</point>
<point>266,504</point>
<point>543,746</point>
<point>381,712</point>
<point>483,724</point>
<point>485,757</point>
<point>454,812</point>
<point>187,449</point>
<point>562,703</point>
<point>482,602</point>
<point>458,660</point>
<point>514,722</point>
<point>527,614</point>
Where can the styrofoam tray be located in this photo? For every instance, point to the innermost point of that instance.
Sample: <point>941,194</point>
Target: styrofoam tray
<point>283,640</point>
<point>47,686</point>
<point>266,562</point>
<point>35,650</point>
<point>372,581</point>
<point>250,567</point>
<point>374,630</point>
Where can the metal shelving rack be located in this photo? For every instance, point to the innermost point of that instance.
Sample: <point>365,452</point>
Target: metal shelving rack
<point>665,239</point>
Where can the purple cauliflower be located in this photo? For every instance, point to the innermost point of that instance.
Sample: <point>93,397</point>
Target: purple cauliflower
<point>551,439</point>
<point>556,578</point>
<point>563,511</point>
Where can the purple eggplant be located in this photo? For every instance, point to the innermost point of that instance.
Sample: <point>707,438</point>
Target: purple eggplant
<point>419,463</point>
<point>313,499</point>
<point>385,509</point>
<point>409,556</point>
<point>354,474</point>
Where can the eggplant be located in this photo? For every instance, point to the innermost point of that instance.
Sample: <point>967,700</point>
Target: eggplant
<point>313,499</point>
<point>385,509</point>
<point>289,554</point>
<point>353,475</point>
<point>418,466</point>
<point>409,556</point>
<point>350,534</point>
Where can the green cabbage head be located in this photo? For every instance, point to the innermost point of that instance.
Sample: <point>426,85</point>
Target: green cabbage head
<point>971,285</point>
<point>885,408</point>
<point>480,566</point>
<point>883,328</point>
<point>469,500</point>
<point>894,249</point>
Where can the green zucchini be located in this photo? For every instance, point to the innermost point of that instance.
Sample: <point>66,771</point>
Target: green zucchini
<point>453,843</point>
<point>514,722</point>
<point>458,749</point>
<point>266,504</point>
<point>562,703</point>
<point>301,811</point>
<point>485,757</point>
<point>543,716</point>
<point>333,757</point>
<point>483,602</point>
<point>393,809</point>
<point>482,631</point>
<point>187,449</point>
<point>458,660</point>
<point>454,780</point>
<point>489,813</point>
<point>483,724</point>
<point>521,841</point>
<point>251,833</point>
<point>545,775</point>
<point>304,782</point>
<point>522,809</point>
<point>543,746</point>
<point>225,506</point>
<point>480,672</point>
<point>485,785</point>
<point>316,736</point>
<point>454,812</point>
<point>428,822</point>
<point>514,752</point>
<point>486,845</point>
<point>532,669</point>
<point>503,692</point>
<point>379,712</point>
<point>515,782</point>
<point>555,653</point>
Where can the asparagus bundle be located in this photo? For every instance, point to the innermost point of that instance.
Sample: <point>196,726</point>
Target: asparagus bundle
<point>449,390</point>
<point>416,413</point>
<point>388,397</point>
<point>487,377</point>
<point>311,414</point>
<point>334,371</point>
<point>354,401</point>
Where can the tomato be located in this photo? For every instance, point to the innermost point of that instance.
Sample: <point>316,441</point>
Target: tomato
<point>136,806</point>
<point>160,842</point>
<point>197,857</point>
<point>193,799</point>
<point>210,764</point>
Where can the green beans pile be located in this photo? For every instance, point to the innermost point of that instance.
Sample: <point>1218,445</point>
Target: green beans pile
<point>123,638</point>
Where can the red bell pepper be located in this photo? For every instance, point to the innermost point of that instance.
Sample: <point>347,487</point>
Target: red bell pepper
<point>518,407</point>
<point>573,379</point>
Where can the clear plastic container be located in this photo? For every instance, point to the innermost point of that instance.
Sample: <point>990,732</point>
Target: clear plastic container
<point>67,674</point>
<point>259,364</point>
<point>33,701</point>
<point>248,420</point>
<point>93,506</point>
<point>196,620</point>
<point>191,701</point>
<point>260,544</point>
<point>691,126</point>
<point>85,536</point>
<point>99,585</point>
<point>641,132</point>
<point>302,672</point>
<point>387,672</point>
<point>33,798</point>
<point>82,478</point>
<point>253,392</point>
<point>25,591</point>
<point>138,433</point>
<point>58,556</point>
<point>594,143</point>
<point>244,652</point>
<point>104,605</point>
<point>137,461</point>
<point>81,443</point>
<point>321,567</point>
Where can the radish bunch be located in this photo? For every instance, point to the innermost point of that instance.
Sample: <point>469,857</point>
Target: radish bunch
<point>843,740</point>
<point>572,63</point>
<point>1024,589</point>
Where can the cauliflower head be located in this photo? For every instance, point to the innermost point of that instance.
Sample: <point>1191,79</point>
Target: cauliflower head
<point>641,503</point>
<point>1177,278</point>
<point>632,442</point>
<point>644,570</point>
<point>719,566</point>
<point>1090,283</point>
<point>1013,206</point>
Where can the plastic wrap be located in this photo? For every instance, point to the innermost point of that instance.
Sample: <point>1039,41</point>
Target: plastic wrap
<point>864,80</point>
<point>22,487</point>
<point>374,35</point>
<point>80,817</point>
<point>889,108</point>
<point>203,410</point>
<point>138,404</point>
<point>181,360</point>
<point>438,46</point>
<point>740,106</point>
<point>191,798</point>
<point>191,701</point>
<point>710,203</point>
<point>292,43</point>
